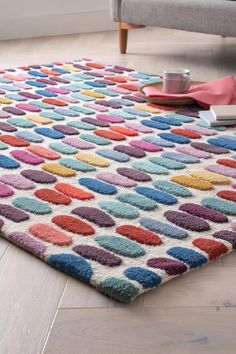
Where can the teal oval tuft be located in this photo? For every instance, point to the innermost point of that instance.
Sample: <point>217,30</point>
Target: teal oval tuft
<point>52,115</point>
<point>150,168</point>
<point>32,205</point>
<point>137,200</point>
<point>119,289</point>
<point>98,140</point>
<point>173,188</point>
<point>121,246</point>
<point>218,204</point>
<point>76,165</point>
<point>167,163</point>
<point>81,125</point>
<point>21,123</point>
<point>119,210</point>
<point>63,148</point>
<point>181,117</point>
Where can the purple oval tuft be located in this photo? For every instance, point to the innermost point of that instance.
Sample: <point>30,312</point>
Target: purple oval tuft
<point>131,151</point>
<point>186,221</point>
<point>28,243</point>
<point>12,213</point>
<point>171,266</point>
<point>203,212</point>
<point>66,129</point>
<point>209,148</point>
<point>39,176</point>
<point>226,235</point>
<point>1,223</point>
<point>14,111</point>
<point>95,215</point>
<point>97,122</point>
<point>6,127</point>
<point>134,174</point>
<point>98,255</point>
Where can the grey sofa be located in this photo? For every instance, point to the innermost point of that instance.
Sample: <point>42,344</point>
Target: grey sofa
<point>206,16</point>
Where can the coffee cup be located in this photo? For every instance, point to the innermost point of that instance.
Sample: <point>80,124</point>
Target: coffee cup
<point>176,81</point>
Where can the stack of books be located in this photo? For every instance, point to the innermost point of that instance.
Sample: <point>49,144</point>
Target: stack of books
<point>219,115</point>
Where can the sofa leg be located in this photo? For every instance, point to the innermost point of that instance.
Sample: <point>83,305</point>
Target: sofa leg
<point>123,34</point>
<point>123,37</point>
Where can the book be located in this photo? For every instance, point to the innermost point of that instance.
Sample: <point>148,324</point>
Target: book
<point>210,119</point>
<point>224,112</point>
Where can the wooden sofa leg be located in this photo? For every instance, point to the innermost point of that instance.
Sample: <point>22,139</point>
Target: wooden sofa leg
<point>123,37</point>
<point>123,34</point>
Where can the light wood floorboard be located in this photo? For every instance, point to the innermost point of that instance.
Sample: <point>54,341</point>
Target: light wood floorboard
<point>3,247</point>
<point>42,308</point>
<point>167,330</point>
<point>30,294</point>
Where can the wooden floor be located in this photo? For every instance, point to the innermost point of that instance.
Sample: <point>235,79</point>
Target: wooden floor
<point>44,311</point>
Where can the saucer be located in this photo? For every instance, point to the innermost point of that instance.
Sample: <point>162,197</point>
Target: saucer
<point>169,101</point>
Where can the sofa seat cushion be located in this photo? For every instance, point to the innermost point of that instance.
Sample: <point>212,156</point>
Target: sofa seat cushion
<point>207,16</point>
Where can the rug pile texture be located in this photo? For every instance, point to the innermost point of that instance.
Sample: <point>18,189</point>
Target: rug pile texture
<point>101,185</point>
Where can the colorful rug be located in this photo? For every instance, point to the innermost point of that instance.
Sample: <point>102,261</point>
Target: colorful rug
<point>105,187</point>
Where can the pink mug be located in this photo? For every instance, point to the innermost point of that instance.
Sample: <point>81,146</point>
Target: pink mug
<point>176,81</point>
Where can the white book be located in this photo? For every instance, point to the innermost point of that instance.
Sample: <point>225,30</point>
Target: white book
<point>224,112</point>
<point>211,121</point>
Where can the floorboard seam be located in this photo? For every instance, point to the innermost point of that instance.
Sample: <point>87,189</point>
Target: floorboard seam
<point>54,318</point>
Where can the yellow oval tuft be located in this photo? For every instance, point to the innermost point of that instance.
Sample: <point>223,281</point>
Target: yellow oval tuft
<point>211,177</point>
<point>189,181</point>
<point>92,159</point>
<point>59,170</point>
